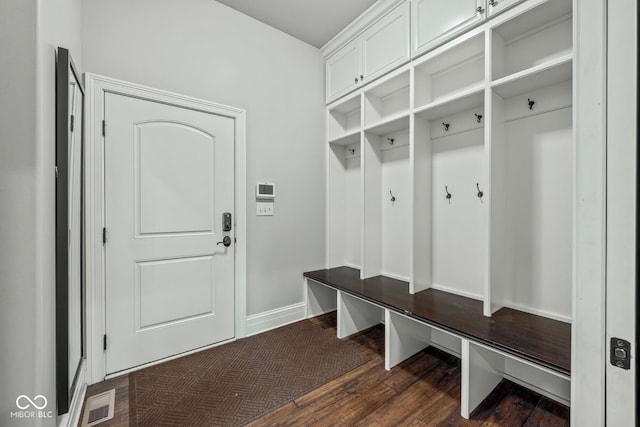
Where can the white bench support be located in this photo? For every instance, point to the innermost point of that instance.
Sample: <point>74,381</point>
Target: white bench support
<point>482,370</point>
<point>403,338</point>
<point>320,299</point>
<point>355,315</point>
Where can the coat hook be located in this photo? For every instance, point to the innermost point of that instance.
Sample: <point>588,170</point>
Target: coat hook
<point>351,150</point>
<point>449,196</point>
<point>446,126</point>
<point>391,140</point>
<point>480,192</point>
<point>478,117</point>
<point>531,103</point>
<point>393,198</point>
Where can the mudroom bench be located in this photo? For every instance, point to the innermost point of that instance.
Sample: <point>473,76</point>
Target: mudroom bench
<point>531,350</point>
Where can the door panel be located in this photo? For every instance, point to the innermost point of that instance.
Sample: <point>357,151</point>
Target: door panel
<point>343,71</point>
<point>385,45</point>
<point>160,302</point>
<point>169,177</point>
<point>174,175</point>
<point>436,21</point>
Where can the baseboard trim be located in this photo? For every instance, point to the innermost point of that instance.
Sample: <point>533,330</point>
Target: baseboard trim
<point>72,418</point>
<point>265,321</point>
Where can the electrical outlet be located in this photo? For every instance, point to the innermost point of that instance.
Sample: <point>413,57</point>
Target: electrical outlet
<point>264,208</point>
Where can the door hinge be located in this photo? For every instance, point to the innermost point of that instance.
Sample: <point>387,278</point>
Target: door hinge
<point>104,235</point>
<point>104,341</point>
<point>104,128</point>
<point>71,124</point>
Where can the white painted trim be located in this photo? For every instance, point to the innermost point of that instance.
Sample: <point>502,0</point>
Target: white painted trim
<point>72,417</point>
<point>536,389</point>
<point>395,276</point>
<point>455,291</point>
<point>166,359</point>
<point>267,320</point>
<point>359,25</point>
<point>542,313</point>
<point>588,357</point>
<point>96,87</point>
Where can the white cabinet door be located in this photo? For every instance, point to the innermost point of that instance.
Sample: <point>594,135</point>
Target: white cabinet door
<point>385,45</point>
<point>435,21</point>
<point>496,6</point>
<point>343,71</point>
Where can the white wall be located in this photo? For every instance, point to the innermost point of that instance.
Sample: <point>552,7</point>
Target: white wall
<point>204,49</point>
<point>30,31</point>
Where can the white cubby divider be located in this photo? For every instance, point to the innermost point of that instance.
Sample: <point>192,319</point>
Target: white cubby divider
<point>490,112</point>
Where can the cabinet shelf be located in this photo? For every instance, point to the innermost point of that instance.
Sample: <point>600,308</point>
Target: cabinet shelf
<point>549,73</point>
<point>344,118</point>
<point>389,125</point>
<point>387,99</point>
<point>346,139</point>
<point>450,71</point>
<point>456,103</point>
<point>535,37</point>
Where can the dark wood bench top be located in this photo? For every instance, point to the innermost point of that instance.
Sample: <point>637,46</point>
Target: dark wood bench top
<point>538,339</point>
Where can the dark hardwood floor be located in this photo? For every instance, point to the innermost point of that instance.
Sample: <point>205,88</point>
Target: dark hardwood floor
<point>422,391</point>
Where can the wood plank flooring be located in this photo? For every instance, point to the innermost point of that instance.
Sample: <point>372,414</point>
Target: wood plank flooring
<point>422,391</point>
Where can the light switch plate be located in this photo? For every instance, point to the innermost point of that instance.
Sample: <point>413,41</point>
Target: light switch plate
<point>264,208</point>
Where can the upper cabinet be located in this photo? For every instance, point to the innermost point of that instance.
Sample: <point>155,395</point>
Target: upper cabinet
<point>343,71</point>
<point>496,6</point>
<point>435,21</point>
<point>381,48</point>
<point>385,45</point>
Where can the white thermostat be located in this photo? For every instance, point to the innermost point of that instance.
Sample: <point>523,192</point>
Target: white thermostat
<point>265,190</point>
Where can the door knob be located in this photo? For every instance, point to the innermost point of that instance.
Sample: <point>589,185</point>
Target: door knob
<point>226,241</point>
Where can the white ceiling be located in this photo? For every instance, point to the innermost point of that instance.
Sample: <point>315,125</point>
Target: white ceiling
<point>312,21</point>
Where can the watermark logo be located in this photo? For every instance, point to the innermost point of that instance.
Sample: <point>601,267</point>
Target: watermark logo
<point>31,407</point>
<point>20,402</point>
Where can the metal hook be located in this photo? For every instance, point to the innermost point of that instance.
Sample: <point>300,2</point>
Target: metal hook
<point>446,126</point>
<point>480,192</point>
<point>531,103</point>
<point>391,141</point>
<point>478,117</point>
<point>449,196</point>
<point>393,198</point>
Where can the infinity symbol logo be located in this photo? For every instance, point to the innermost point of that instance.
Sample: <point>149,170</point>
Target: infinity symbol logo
<point>33,403</point>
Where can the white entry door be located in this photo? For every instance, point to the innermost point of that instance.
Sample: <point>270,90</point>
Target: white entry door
<point>169,180</point>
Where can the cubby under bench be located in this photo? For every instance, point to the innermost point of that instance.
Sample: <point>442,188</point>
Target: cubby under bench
<point>530,350</point>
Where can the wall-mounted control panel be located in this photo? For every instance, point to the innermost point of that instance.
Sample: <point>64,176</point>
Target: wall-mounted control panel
<point>265,191</point>
<point>265,196</point>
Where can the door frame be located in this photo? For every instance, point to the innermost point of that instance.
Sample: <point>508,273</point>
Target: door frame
<point>96,87</point>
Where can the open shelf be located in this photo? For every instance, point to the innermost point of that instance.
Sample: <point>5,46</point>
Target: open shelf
<point>453,104</point>
<point>387,98</point>
<point>344,118</point>
<point>389,125</point>
<point>348,138</point>
<point>532,200</point>
<point>387,221</point>
<point>344,205</point>
<point>534,37</point>
<point>450,71</point>
<point>547,74</point>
